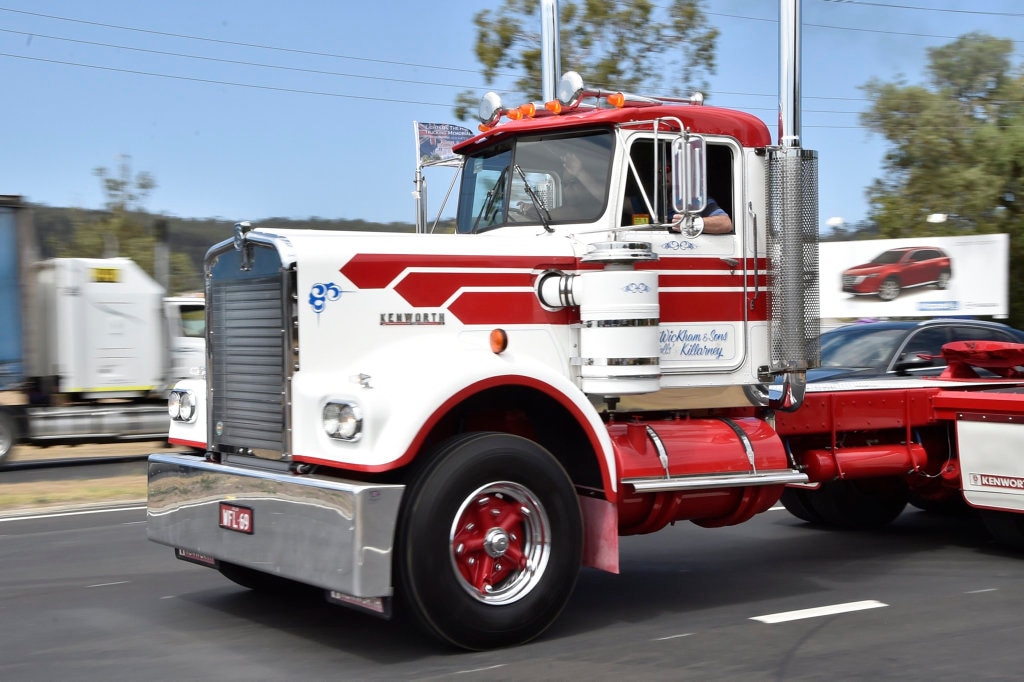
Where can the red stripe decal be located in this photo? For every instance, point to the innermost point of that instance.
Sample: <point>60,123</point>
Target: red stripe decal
<point>432,289</point>
<point>683,263</point>
<point>447,275</point>
<point>377,270</point>
<point>505,307</point>
<point>187,443</point>
<point>710,280</point>
<point>710,306</point>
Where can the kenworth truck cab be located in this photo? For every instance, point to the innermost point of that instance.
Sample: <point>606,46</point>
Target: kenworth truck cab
<point>457,422</point>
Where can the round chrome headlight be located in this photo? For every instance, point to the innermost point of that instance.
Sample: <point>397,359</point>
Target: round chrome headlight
<point>174,404</point>
<point>182,405</point>
<point>187,409</point>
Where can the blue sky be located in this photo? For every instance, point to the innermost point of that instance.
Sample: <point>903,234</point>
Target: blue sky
<point>250,109</point>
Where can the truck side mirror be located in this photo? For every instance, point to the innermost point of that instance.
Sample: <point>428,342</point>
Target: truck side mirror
<point>689,174</point>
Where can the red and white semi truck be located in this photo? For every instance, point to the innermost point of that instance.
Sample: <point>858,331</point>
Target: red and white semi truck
<point>456,423</point>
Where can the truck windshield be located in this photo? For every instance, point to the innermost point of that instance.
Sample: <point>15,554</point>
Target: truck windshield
<point>193,321</point>
<point>567,175</point>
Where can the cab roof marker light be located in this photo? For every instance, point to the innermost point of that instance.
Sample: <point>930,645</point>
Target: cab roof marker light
<point>626,99</point>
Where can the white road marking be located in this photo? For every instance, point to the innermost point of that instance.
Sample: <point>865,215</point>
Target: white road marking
<point>662,639</point>
<point>119,582</point>
<point>986,589</point>
<point>79,512</point>
<point>479,670</point>
<point>819,611</point>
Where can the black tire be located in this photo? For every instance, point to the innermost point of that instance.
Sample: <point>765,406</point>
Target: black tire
<point>890,289</point>
<point>943,281</point>
<point>953,505</point>
<point>8,435</point>
<point>1006,527</point>
<point>796,503</point>
<point>449,568</point>
<point>859,504</point>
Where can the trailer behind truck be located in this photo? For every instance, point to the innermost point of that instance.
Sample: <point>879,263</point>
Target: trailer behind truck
<point>89,346</point>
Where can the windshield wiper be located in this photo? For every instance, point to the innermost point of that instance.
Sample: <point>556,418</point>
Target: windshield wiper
<point>538,203</point>
<point>492,194</point>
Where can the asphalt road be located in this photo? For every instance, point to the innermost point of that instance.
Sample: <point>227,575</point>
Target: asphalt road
<point>87,597</point>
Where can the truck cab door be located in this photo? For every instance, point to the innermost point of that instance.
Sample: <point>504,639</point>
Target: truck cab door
<point>704,281</point>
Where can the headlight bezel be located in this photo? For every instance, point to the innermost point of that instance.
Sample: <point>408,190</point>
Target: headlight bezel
<point>342,420</point>
<point>182,405</point>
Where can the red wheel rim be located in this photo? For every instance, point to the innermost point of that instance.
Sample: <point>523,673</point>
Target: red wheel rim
<point>500,543</point>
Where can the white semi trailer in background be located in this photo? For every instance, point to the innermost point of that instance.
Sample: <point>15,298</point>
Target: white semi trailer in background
<point>89,346</point>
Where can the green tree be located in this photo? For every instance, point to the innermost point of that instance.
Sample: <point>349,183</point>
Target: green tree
<point>956,147</point>
<point>124,229</point>
<point>614,44</point>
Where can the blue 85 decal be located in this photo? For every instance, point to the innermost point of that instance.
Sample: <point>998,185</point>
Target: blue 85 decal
<point>320,294</point>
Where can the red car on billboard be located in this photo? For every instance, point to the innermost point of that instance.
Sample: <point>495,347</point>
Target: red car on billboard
<point>890,272</point>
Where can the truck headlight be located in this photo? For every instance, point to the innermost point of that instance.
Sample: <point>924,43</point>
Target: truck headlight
<point>181,405</point>
<point>343,420</point>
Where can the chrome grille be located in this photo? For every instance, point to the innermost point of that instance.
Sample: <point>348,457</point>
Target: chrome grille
<point>246,369</point>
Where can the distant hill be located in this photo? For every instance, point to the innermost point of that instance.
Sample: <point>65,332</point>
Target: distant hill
<point>192,236</point>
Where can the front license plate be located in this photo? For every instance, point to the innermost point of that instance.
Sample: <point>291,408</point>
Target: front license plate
<point>236,518</point>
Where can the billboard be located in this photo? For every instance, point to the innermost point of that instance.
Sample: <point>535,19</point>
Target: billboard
<point>915,277</point>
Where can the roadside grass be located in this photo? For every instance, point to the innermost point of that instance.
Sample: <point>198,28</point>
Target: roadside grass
<point>60,493</point>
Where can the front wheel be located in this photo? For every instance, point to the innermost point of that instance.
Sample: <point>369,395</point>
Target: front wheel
<point>890,289</point>
<point>489,541</point>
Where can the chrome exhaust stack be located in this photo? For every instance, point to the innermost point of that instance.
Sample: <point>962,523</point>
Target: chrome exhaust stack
<point>792,225</point>
<point>789,73</point>
<point>550,54</point>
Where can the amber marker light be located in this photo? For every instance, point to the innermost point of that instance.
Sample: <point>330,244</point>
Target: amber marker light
<point>616,99</point>
<point>499,341</point>
<point>554,106</point>
<point>528,110</point>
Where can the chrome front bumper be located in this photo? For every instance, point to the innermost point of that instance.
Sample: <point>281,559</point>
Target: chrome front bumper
<point>326,532</point>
